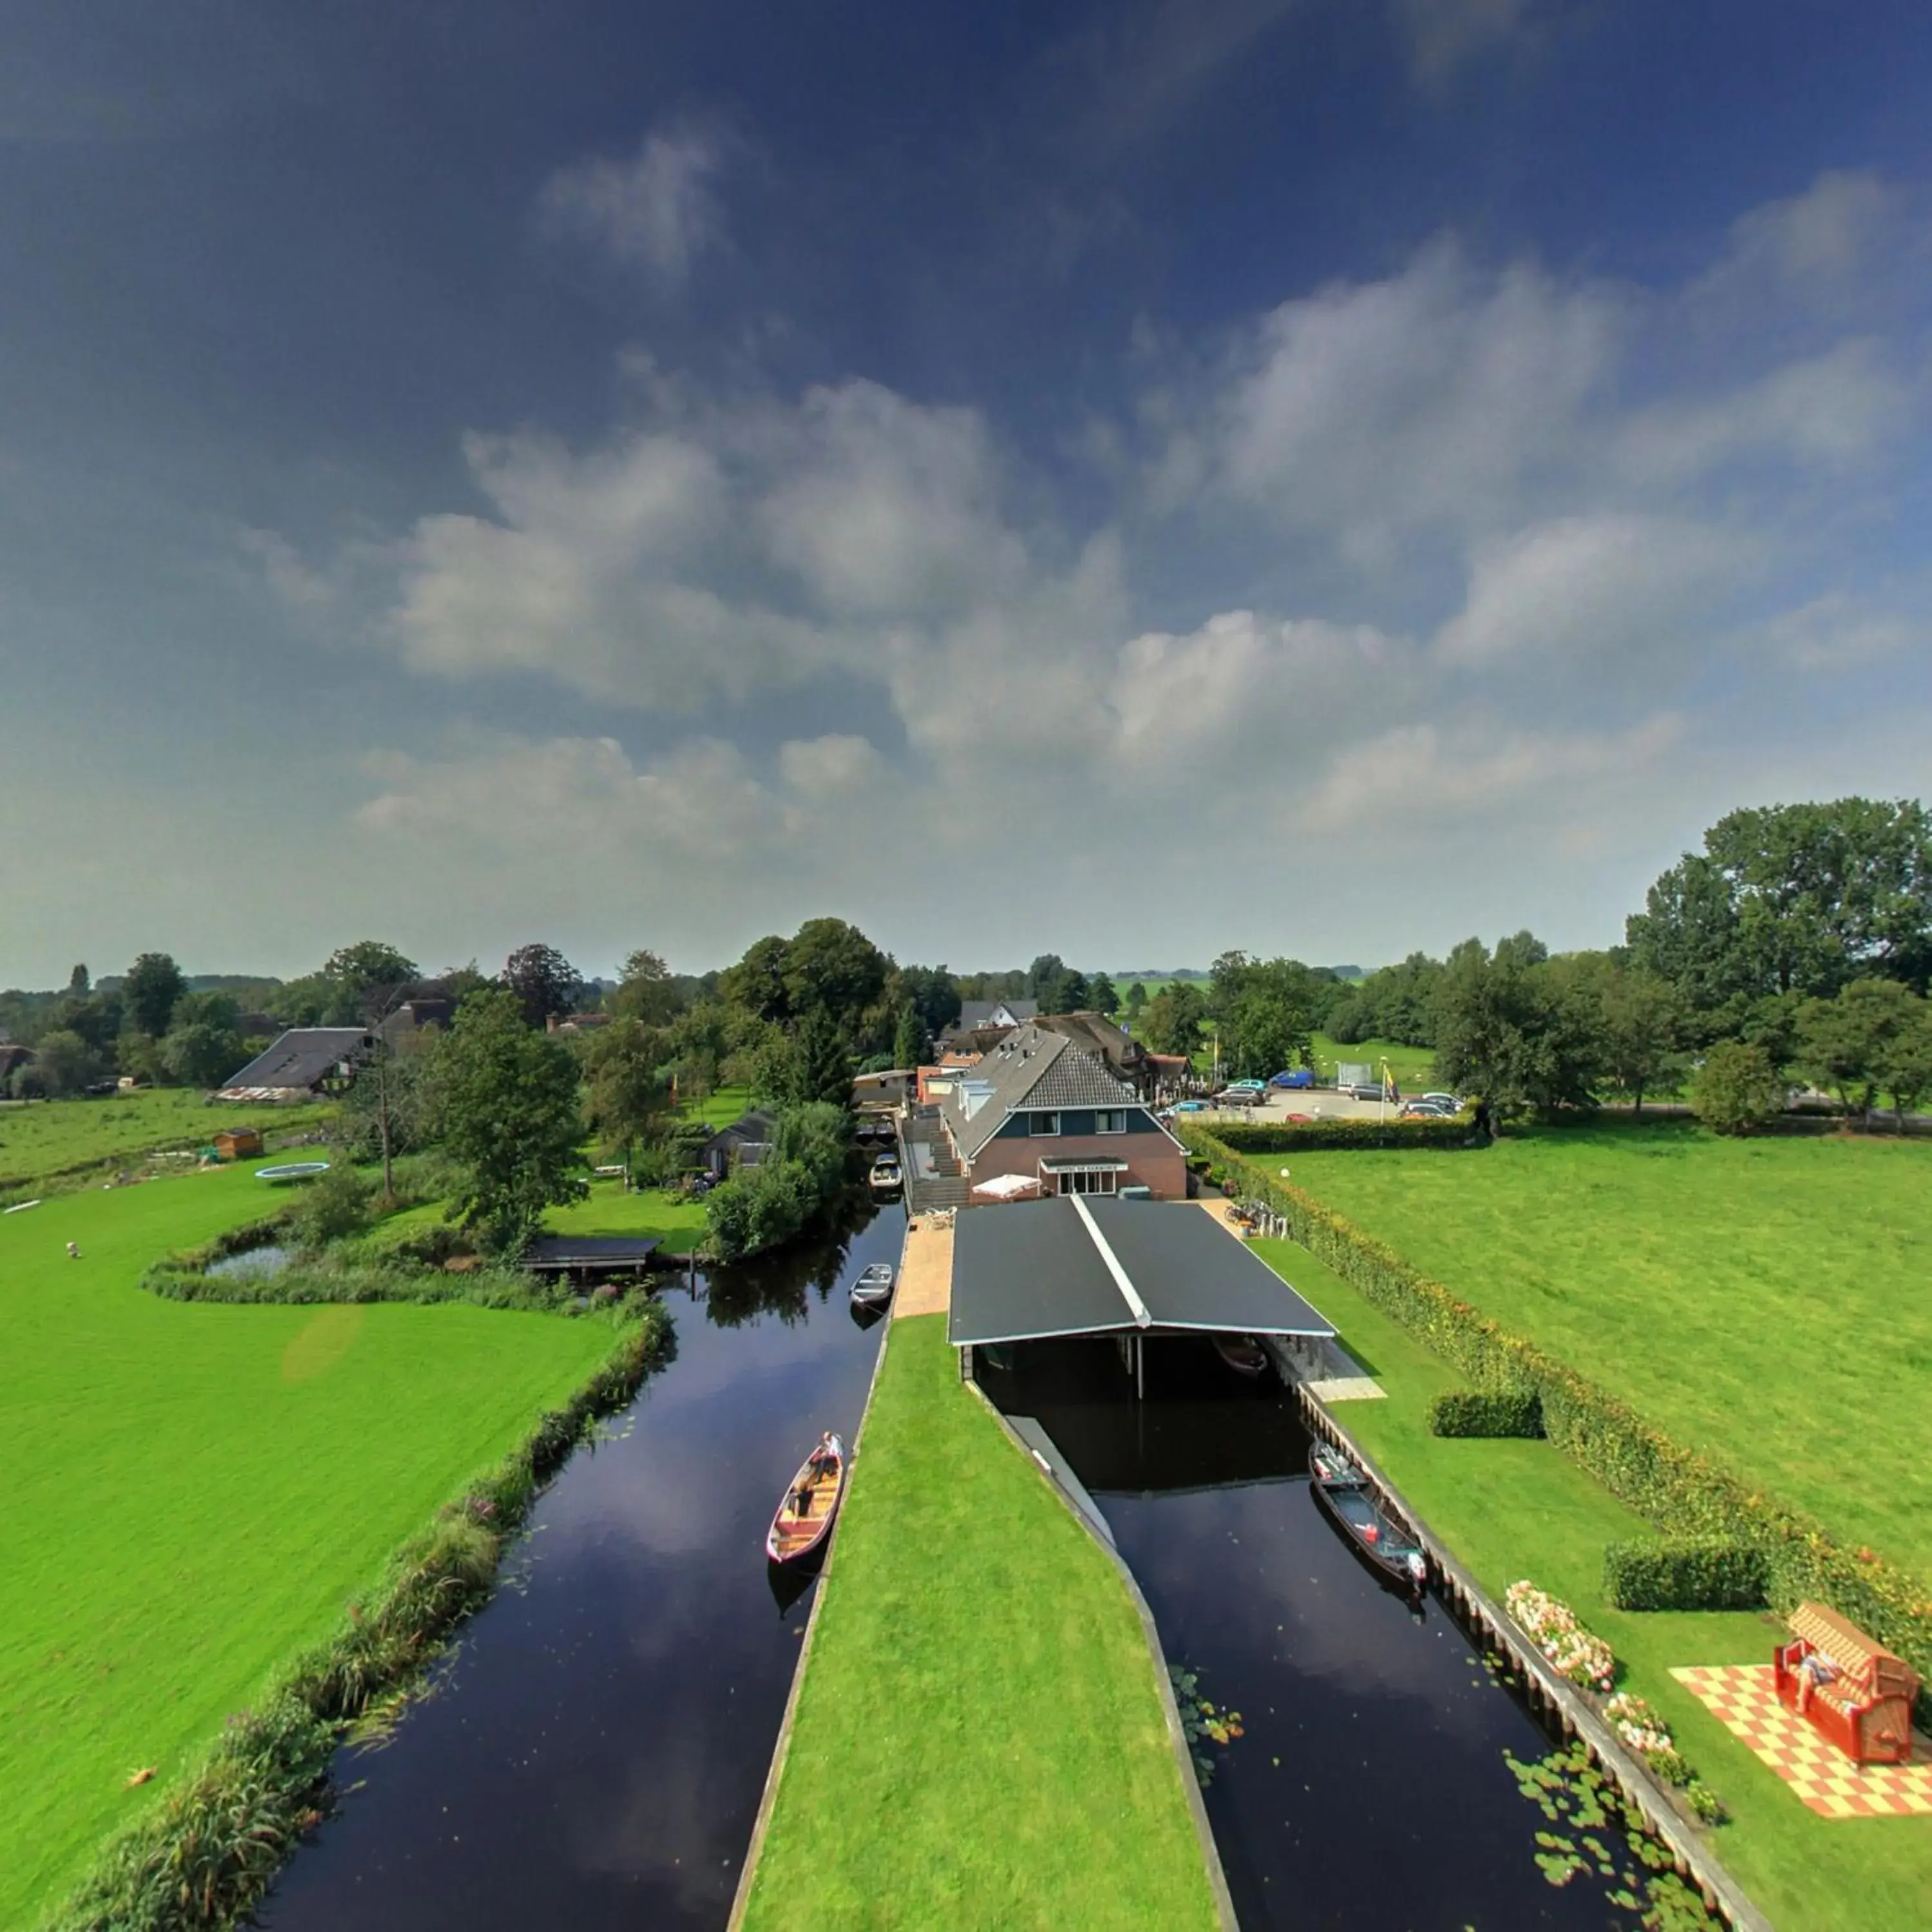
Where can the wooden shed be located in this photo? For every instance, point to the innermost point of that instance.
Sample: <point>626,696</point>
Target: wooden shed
<point>237,1143</point>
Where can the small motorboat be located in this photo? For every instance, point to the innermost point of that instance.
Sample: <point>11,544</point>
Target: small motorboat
<point>874,1288</point>
<point>1243,1354</point>
<point>885,1177</point>
<point>1342,1491</point>
<point>804,1519</point>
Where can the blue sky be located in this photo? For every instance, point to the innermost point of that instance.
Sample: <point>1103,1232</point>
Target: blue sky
<point>1123,481</point>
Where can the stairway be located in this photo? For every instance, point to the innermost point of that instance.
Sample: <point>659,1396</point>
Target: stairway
<point>933,1178</point>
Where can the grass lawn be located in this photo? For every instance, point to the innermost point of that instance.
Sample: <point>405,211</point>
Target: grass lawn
<point>979,1741</point>
<point>195,1490</point>
<point>676,1220</point>
<point>721,1108</point>
<point>1414,1066</point>
<point>46,1137</point>
<point>1523,1509</point>
<point>1762,1300</point>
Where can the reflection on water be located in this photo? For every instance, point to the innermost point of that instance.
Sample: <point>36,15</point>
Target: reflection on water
<point>596,1756</point>
<point>1370,1789</point>
<point>252,1264</point>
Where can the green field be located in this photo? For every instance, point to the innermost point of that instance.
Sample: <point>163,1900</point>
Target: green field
<point>721,1108</point>
<point>41,1137</point>
<point>194,1491</point>
<point>676,1220</point>
<point>1762,1300</point>
<point>979,1740</point>
<point>1414,1066</point>
<point>1513,1509</point>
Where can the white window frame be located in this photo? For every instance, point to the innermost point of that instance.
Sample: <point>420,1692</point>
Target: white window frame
<point>1102,1115</point>
<point>1034,1117</point>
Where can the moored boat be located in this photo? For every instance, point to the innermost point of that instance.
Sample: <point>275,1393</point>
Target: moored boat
<point>1343,1493</point>
<point>874,1288</point>
<point>885,1176</point>
<point>1243,1354</point>
<point>804,1518</point>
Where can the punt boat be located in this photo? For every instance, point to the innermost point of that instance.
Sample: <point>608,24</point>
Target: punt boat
<point>804,1518</point>
<point>885,1176</point>
<point>1343,1493</point>
<point>1243,1354</point>
<point>874,1288</point>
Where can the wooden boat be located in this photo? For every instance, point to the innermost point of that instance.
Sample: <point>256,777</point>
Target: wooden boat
<point>1243,1354</point>
<point>1342,1491</point>
<point>804,1519</point>
<point>874,1288</point>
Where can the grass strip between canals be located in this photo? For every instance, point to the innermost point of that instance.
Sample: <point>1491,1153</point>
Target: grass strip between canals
<point>215,1840</point>
<point>978,1740</point>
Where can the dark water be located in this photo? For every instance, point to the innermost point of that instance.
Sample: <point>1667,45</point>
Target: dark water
<point>264,1263</point>
<point>596,1752</point>
<point>1370,1790</point>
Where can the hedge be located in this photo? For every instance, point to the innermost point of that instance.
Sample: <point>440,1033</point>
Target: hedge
<point>1255,1137</point>
<point>205,1857</point>
<point>1511,1411</point>
<point>1687,1573</point>
<point>1682,1491</point>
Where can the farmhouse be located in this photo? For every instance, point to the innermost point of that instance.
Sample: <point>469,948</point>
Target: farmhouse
<point>305,1062</point>
<point>1040,1109</point>
<point>978,1016</point>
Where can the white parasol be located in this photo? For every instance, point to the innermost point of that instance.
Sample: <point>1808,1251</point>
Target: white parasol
<point>1004,1187</point>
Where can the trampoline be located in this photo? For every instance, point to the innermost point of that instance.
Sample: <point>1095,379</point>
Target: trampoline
<point>292,1170</point>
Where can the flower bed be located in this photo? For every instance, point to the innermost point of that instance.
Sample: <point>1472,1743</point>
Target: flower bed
<point>1585,1659</point>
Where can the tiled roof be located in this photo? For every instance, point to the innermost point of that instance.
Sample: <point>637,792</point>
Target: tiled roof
<point>303,1057</point>
<point>1029,1068</point>
<point>979,1012</point>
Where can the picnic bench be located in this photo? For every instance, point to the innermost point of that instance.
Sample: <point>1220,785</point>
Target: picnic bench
<point>1851,1689</point>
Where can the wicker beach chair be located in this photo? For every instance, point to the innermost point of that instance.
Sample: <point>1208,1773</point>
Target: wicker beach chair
<point>1852,1691</point>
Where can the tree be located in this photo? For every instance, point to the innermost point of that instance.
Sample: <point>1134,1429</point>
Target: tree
<point>1137,998</point>
<point>1848,1044</point>
<point>1736,1089</point>
<point>934,991</point>
<point>391,1109</point>
<point>1173,1020</point>
<point>1488,1021</point>
<point>370,966</point>
<point>202,1052</point>
<point>1793,898</point>
<point>138,1055</point>
<point>1643,1025</point>
<point>647,991</point>
<point>833,968</point>
<point>64,1064</point>
<point>546,984</point>
<point>1908,1064</point>
<point>757,983</point>
<point>511,1118</point>
<point>909,1040</point>
<point>149,990</point>
<point>630,1097</point>
<point>1103,996</point>
<point>79,983</point>
<point>823,1068</point>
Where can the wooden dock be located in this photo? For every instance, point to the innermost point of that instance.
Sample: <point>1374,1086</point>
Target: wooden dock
<point>926,1267</point>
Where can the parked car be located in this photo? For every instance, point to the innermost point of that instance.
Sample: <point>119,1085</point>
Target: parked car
<point>1448,1100</point>
<point>1190,1106</point>
<point>1239,1097</point>
<point>1297,1076</point>
<point>1247,1086</point>
<point>1367,1091</point>
<point>1423,1110</point>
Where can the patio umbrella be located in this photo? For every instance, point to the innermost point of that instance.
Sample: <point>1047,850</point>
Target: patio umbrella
<point>1004,1187</point>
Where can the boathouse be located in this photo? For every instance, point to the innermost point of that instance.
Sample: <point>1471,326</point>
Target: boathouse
<point>1088,1266</point>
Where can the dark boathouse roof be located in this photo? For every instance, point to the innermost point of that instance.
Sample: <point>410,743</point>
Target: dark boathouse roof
<point>1081,1264</point>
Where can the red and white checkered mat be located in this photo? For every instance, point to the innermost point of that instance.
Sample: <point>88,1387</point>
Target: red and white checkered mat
<point>1745,1696</point>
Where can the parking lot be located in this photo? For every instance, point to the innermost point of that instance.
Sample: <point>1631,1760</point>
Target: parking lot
<point>1318,1103</point>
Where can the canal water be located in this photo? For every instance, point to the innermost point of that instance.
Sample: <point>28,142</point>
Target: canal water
<point>595,1749</point>
<point>1370,1790</point>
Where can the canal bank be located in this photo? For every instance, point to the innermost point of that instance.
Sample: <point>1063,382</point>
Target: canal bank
<point>594,1751</point>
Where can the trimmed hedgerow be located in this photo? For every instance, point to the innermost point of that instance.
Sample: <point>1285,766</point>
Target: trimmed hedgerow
<point>1509,1411</point>
<point>1687,1573</point>
<point>207,1854</point>
<point>1272,1137</point>
<point>1683,1492</point>
<point>331,1278</point>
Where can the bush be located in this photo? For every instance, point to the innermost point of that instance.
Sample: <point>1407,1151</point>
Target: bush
<point>1736,1089</point>
<point>1272,1137</point>
<point>1681,1492</point>
<point>1511,1411</point>
<point>1686,1573</point>
<point>332,1208</point>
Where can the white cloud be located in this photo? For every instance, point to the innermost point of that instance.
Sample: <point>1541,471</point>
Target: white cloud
<point>658,211</point>
<point>1371,409</point>
<point>1825,233</point>
<point>837,765</point>
<point>1838,632</point>
<point>1616,591</point>
<point>1442,34</point>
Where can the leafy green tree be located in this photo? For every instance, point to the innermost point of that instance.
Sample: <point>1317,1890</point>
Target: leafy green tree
<point>370,966</point>
<point>1848,1044</point>
<point>1102,995</point>
<point>1137,999</point>
<point>630,1096</point>
<point>317,1000</point>
<point>149,990</point>
<point>646,990</point>
<point>1174,1018</point>
<point>1908,1062</point>
<point>138,1055</point>
<point>824,1067</point>
<point>547,986</point>
<point>80,984</point>
<point>64,1064</point>
<point>831,966</point>
<point>1793,898</point>
<point>510,1117</point>
<point>757,983</point>
<point>201,1054</point>
<point>1737,1088</point>
<point>1643,1030</point>
<point>392,1106</point>
<point>935,992</point>
<point>1488,1017</point>
<point>333,1207</point>
<point>96,1018</point>
<point>909,1040</point>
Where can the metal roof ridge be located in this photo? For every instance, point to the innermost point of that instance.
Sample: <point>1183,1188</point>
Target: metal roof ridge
<point>1143,1316</point>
